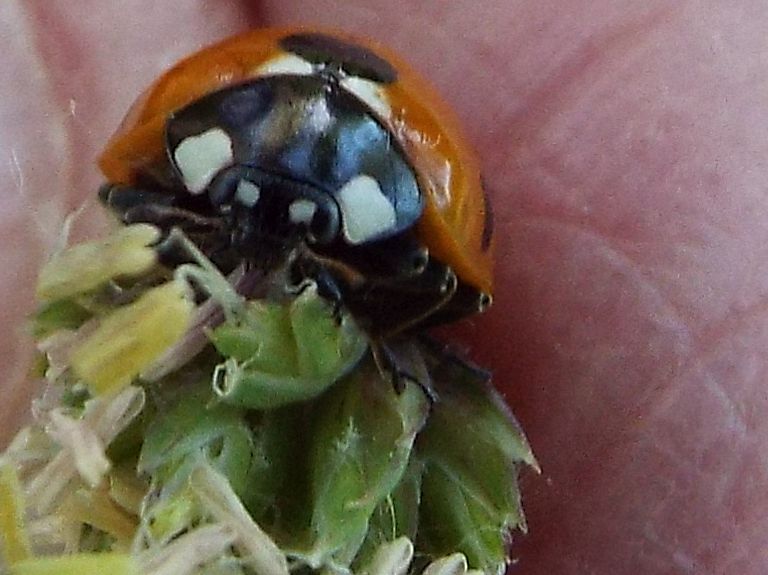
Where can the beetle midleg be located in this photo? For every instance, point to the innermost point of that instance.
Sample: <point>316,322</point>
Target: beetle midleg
<point>391,306</point>
<point>121,198</point>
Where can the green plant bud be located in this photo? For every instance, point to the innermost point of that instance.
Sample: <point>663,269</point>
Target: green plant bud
<point>277,491</point>
<point>194,429</point>
<point>280,354</point>
<point>472,448</point>
<point>391,558</point>
<point>84,267</point>
<point>14,540</point>
<point>78,564</point>
<point>396,516</point>
<point>362,441</point>
<point>132,337</point>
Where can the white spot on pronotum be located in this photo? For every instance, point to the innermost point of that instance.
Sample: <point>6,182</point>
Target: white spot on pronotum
<point>200,157</point>
<point>366,212</point>
<point>302,211</point>
<point>285,64</point>
<point>369,92</point>
<point>247,193</point>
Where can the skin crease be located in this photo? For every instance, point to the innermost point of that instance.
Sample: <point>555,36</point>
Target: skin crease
<point>624,144</point>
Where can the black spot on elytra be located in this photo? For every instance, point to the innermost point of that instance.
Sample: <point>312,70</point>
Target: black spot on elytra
<point>352,58</point>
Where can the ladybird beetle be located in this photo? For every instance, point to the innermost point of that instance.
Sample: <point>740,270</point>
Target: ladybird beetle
<point>319,155</point>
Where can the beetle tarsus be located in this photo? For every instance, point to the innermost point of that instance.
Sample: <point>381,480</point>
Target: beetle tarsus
<point>402,362</point>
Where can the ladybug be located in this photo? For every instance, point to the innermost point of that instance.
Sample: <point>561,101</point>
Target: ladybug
<point>319,157</point>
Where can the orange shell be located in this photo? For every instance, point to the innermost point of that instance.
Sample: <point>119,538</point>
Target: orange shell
<point>454,219</point>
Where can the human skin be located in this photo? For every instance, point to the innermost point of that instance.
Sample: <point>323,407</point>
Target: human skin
<point>624,145</point>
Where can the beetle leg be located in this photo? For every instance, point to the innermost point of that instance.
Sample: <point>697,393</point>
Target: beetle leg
<point>402,361</point>
<point>134,205</point>
<point>389,307</point>
<point>329,290</point>
<point>401,256</point>
<point>441,356</point>
<point>304,267</point>
<point>122,199</point>
<point>466,301</point>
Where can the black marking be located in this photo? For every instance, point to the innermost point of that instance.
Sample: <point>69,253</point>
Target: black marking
<point>352,58</point>
<point>487,236</point>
